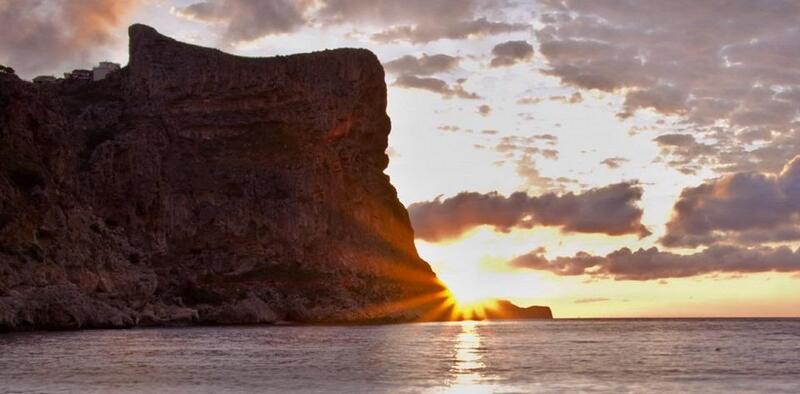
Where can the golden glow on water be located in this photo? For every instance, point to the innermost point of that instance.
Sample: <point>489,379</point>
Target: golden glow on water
<point>468,364</point>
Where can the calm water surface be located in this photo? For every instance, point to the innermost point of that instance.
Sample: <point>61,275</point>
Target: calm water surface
<point>514,356</point>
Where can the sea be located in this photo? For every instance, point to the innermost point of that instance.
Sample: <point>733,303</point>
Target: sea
<point>604,355</point>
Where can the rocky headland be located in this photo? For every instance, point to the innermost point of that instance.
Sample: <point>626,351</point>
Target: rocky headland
<point>505,310</point>
<point>197,187</point>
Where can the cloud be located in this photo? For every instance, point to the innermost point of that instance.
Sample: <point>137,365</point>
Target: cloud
<point>49,36</point>
<point>687,154</point>
<point>434,85</point>
<point>613,162</point>
<point>550,153</point>
<point>455,30</point>
<point>610,210</point>
<point>424,65</point>
<point>591,300</point>
<point>652,264</point>
<point>415,74</point>
<point>525,145</point>
<point>530,100</point>
<point>668,100</point>
<point>549,138</point>
<point>449,128</point>
<point>676,140</point>
<point>419,21</point>
<point>716,66</point>
<point>574,98</point>
<point>523,149</point>
<point>390,12</point>
<point>416,21</point>
<point>510,53</point>
<point>526,168</point>
<point>248,20</point>
<point>743,208</point>
<point>484,110</point>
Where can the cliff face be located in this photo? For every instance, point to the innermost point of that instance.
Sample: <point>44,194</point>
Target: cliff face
<point>194,186</point>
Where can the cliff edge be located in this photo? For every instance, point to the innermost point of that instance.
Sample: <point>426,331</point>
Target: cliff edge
<point>197,187</point>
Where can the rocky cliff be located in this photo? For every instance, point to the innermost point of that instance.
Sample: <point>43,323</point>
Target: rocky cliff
<point>197,187</point>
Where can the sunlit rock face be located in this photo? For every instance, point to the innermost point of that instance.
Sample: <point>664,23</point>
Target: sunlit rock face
<point>194,186</point>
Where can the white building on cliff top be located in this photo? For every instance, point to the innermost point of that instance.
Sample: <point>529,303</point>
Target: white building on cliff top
<point>103,70</point>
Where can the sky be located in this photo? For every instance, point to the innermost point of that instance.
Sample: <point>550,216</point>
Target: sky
<point>607,158</point>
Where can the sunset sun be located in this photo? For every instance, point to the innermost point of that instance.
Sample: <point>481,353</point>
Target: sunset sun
<point>471,293</point>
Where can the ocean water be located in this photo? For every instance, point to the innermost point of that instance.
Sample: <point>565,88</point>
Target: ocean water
<point>671,355</point>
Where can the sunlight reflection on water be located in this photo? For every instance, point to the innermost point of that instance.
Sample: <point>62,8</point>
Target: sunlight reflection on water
<point>467,367</point>
<point>468,373</point>
<point>709,356</point>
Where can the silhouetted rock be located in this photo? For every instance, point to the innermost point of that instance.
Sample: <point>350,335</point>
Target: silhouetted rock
<point>198,187</point>
<point>505,310</point>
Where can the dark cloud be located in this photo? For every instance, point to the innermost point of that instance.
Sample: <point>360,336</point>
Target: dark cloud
<point>434,85</point>
<point>676,140</point>
<point>423,65</point>
<point>48,36</point>
<point>708,63</point>
<point>667,100</point>
<point>248,20</point>
<point>746,208</point>
<point>510,53</point>
<point>419,21</point>
<point>652,264</point>
<point>684,152</point>
<point>608,210</point>
<point>415,21</point>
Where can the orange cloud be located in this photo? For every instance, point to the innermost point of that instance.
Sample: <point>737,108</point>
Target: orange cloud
<point>48,35</point>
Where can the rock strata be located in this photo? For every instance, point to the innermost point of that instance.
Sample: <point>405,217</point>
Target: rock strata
<point>198,187</point>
